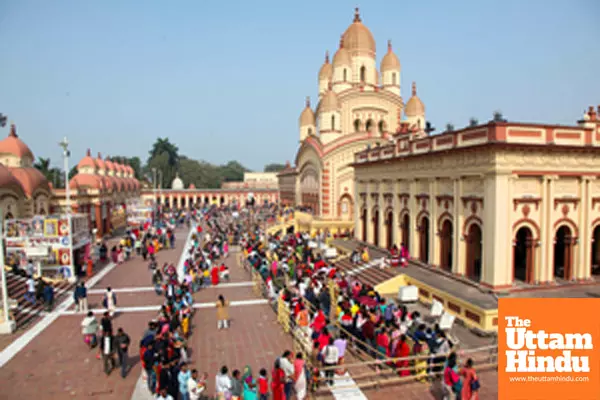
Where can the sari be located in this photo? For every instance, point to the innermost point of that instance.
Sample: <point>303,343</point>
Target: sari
<point>299,379</point>
<point>402,351</point>
<point>277,384</point>
<point>250,391</point>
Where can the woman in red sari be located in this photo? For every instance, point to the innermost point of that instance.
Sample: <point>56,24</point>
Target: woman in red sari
<point>402,350</point>
<point>278,382</point>
<point>214,275</point>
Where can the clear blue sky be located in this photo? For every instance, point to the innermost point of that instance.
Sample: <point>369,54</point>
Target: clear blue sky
<point>227,80</point>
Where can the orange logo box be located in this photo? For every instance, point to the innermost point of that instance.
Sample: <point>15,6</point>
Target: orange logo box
<point>549,349</point>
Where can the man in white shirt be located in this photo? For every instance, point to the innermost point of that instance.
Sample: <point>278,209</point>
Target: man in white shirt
<point>194,389</point>
<point>287,365</point>
<point>30,294</point>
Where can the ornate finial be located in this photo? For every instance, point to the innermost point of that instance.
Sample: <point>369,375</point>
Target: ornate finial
<point>307,101</point>
<point>99,156</point>
<point>341,41</point>
<point>287,164</point>
<point>414,88</point>
<point>356,15</point>
<point>327,57</point>
<point>88,153</point>
<point>390,45</point>
<point>13,130</point>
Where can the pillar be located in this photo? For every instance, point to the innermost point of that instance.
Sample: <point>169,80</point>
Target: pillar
<point>413,211</point>
<point>99,227</point>
<point>548,230</point>
<point>583,268</point>
<point>434,243</point>
<point>356,210</point>
<point>396,207</point>
<point>458,243</point>
<point>497,259</point>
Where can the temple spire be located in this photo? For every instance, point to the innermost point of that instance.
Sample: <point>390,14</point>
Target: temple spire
<point>389,45</point>
<point>414,88</point>
<point>307,101</point>
<point>88,153</point>
<point>356,15</point>
<point>327,57</point>
<point>13,130</point>
<point>341,41</point>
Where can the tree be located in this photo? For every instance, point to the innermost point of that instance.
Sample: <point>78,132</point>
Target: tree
<point>473,122</point>
<point>449,128</point>
<point>274,167</point>
<point>164,156</point>
<point>232,171</point>
<point>53,175</point>
<point>165,146</point>
<point>2,120</point>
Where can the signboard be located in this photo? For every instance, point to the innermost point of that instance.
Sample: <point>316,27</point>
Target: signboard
<point>34,252</point>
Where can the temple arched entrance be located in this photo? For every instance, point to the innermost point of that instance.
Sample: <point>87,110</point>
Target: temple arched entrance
<point>424,240</point>
<point>309,189</point>
<point>389,229</point>
<point>376,226</point>
<point>563,253</point>
<point>364,221</point>
<point>345,207</point>
<point>523,255</point>
<point>474,252</point>
<point>446,245</point>
<point>405,228</point>
<point>596,251</point>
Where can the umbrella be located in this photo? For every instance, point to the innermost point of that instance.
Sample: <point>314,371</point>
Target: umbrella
<point>367,301</point>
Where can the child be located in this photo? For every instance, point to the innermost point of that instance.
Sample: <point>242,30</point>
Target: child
<point>263,385</point>
<point>224,272</point>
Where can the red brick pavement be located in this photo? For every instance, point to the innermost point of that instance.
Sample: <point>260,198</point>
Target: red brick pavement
<point>58,365</point>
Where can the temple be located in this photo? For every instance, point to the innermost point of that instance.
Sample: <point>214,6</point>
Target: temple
<point>359,105</point>
<point>505,204</point>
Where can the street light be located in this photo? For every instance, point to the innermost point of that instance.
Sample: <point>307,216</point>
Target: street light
<point>66,154</point>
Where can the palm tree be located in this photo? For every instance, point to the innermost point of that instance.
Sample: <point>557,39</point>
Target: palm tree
<point>53,174</point>
<point>165,146</point>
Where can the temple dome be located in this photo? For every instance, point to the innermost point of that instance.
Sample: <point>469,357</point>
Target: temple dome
<point>87,161</point>
<point>341,57</point>
<point>15,146</point>
<point>329,102</point>
<point>414,106</point>
<point>326,69</point>
<point>390,61</point>
<point>31,179</point>
<point>307,117</point>
<point>177,183</point>
<point>358,38</point>
<point>7,179</point>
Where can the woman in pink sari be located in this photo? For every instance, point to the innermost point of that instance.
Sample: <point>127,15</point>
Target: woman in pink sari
<point>404,256</point>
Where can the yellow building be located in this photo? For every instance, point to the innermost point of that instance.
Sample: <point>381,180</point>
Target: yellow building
<point>359,105</point>
<point>504,204</point>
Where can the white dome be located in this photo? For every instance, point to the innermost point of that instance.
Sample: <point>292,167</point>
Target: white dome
<point>177,183</point>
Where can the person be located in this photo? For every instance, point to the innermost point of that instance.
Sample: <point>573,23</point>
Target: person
<point>287,365</point>
<point>222,313</point>
<point>163,395</point>
<point>157,280</point>
<point>452,376</point>
<point>263,385</point>
<point>249,384</point>
<point>122,343</point>
<point>89,328</point>
<point>330,359</point>
<point>30,293</point>
<point>223,384</point>
<point>80,297</point>
<point>149,359</point>
<point>49,297</point>
<point>402,352</point>
<point>278,381</point>
<point>300,377</point>
<point>404,256</point>
<point>108,351</point>
<point>183,379</point>
<point>110,301</point>
<point>214,273</point>
<point>236,385</point>
<point>470,389</point>
<point>194,390</point>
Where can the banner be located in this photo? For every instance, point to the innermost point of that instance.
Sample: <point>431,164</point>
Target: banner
<point>549,349</point>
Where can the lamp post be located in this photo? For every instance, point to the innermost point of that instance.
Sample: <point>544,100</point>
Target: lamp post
<point>8,325</point>
<point>66,154</point>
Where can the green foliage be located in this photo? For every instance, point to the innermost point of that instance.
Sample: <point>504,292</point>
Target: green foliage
<point>274,167</point>
<point>53,174</point>
<point>165,157</point>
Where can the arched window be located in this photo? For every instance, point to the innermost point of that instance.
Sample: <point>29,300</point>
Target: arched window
<point>369,125</point>
<point>363,73</point>
<point>345,75</point>
<point>381,126</point>
<point>393,78</point>
<point>309,131</point>
<point>333,122</point>
<point>357,125</point>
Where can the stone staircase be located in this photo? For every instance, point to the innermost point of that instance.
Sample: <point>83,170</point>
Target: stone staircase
<point>370,274</point>
<point>23,311</point>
